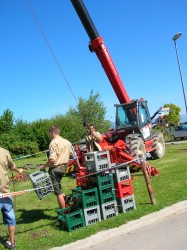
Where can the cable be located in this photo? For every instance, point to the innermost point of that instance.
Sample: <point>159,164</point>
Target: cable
<point>22,191</point>
<point>54,56</point>
<point>113,166</point>
<point>50,48</point>
<point>15,193</point>
<point>27,156</point>
<point>14,188</point>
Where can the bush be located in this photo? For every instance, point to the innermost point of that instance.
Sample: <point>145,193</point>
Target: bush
<point>41,131</point>
<point>16,146</point>
<point>164,131</point>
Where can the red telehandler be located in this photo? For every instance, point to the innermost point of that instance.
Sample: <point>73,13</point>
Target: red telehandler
<point>133,135</point>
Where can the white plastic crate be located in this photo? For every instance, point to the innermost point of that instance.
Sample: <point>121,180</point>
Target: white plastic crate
<point>109,210</point>
<point>126,204</point>
<point>122,174</point>
<point>97,161</point>
<point>92,215</point>
<point>42,181</point>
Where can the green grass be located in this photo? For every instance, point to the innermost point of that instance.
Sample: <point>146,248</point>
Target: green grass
<point>37,224</point>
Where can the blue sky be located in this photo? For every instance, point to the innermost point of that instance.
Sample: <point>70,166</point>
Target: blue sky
<point>138,35</point>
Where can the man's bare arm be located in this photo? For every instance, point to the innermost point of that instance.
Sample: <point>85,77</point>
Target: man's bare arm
<point>50,163</point>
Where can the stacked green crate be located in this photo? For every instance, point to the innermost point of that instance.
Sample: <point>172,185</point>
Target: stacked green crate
<point>88,200</point>
<point>85,198</point>
<point>105,184</point>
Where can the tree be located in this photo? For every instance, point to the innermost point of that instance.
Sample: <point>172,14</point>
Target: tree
<point>24,130</point>
<point>18,138</point>
<point>41,131</point>
<point>173,118</point>
<point>21,137</point>
<point>6,121</point>
<point>89,111</point>
<point>70,126</point>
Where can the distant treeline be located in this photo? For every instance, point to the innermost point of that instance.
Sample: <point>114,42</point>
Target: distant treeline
<point>22,137</point>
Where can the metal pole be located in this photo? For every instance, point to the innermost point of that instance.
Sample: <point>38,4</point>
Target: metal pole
<point>180,74</point>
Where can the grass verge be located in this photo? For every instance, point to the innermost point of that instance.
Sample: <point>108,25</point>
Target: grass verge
<point>37,224</point>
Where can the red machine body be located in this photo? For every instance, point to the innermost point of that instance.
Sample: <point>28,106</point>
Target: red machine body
<point>133,135</point>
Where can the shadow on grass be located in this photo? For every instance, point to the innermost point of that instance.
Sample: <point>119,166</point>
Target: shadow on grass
<point>184,149</point>
<point>4,236</point>
<point>31,231</point>
<point>145,203</point>
<point>3,239</point>
<point>33,216</point>
<point>36,215</point>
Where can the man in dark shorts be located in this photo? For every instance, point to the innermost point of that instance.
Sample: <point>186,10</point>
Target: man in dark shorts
<point>60,151</point>
<point>6,205</point>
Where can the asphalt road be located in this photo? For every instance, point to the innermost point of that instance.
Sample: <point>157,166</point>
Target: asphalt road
<point>169,233</point>
<point>162,230</point>
<point>176,142</point>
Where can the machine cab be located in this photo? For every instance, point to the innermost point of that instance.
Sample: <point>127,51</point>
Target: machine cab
<point>134,117</point>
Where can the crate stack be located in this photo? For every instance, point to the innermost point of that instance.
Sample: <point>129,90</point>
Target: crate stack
<point>124,190</point>
<point>102,191</point>
<point>98,162</point>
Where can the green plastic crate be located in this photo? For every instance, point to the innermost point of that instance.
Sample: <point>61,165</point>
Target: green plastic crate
<point>107,194</point>
<point>101,180</point>
<point>71,218</point>
<point>85,198</point>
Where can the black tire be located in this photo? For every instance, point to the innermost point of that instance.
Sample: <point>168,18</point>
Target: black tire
<point>159,144</point>
<point>83,147</point>
<point>137,147</point>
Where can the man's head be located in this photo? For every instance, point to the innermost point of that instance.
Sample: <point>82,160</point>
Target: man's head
<point>54,131</point>
<point>91,128</point>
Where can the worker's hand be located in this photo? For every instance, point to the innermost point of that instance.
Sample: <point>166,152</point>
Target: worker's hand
<point>20,170</point>
<point>42,168</point>
<point>94,133</point>
<point>79,167</point>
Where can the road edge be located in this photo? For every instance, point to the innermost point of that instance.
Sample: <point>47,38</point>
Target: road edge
<point>126,228</point>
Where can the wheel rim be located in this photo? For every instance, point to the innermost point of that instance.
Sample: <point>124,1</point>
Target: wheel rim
<point>160,147</point>
<point>141,150</point>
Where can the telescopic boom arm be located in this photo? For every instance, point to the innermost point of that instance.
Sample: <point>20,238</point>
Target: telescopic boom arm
<point>97,45</point>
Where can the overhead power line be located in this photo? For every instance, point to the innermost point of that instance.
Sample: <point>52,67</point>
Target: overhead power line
<point>50,48</point>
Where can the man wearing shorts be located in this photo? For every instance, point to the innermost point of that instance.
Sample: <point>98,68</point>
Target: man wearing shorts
<point>6,204</point>
<point>60,151</point>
